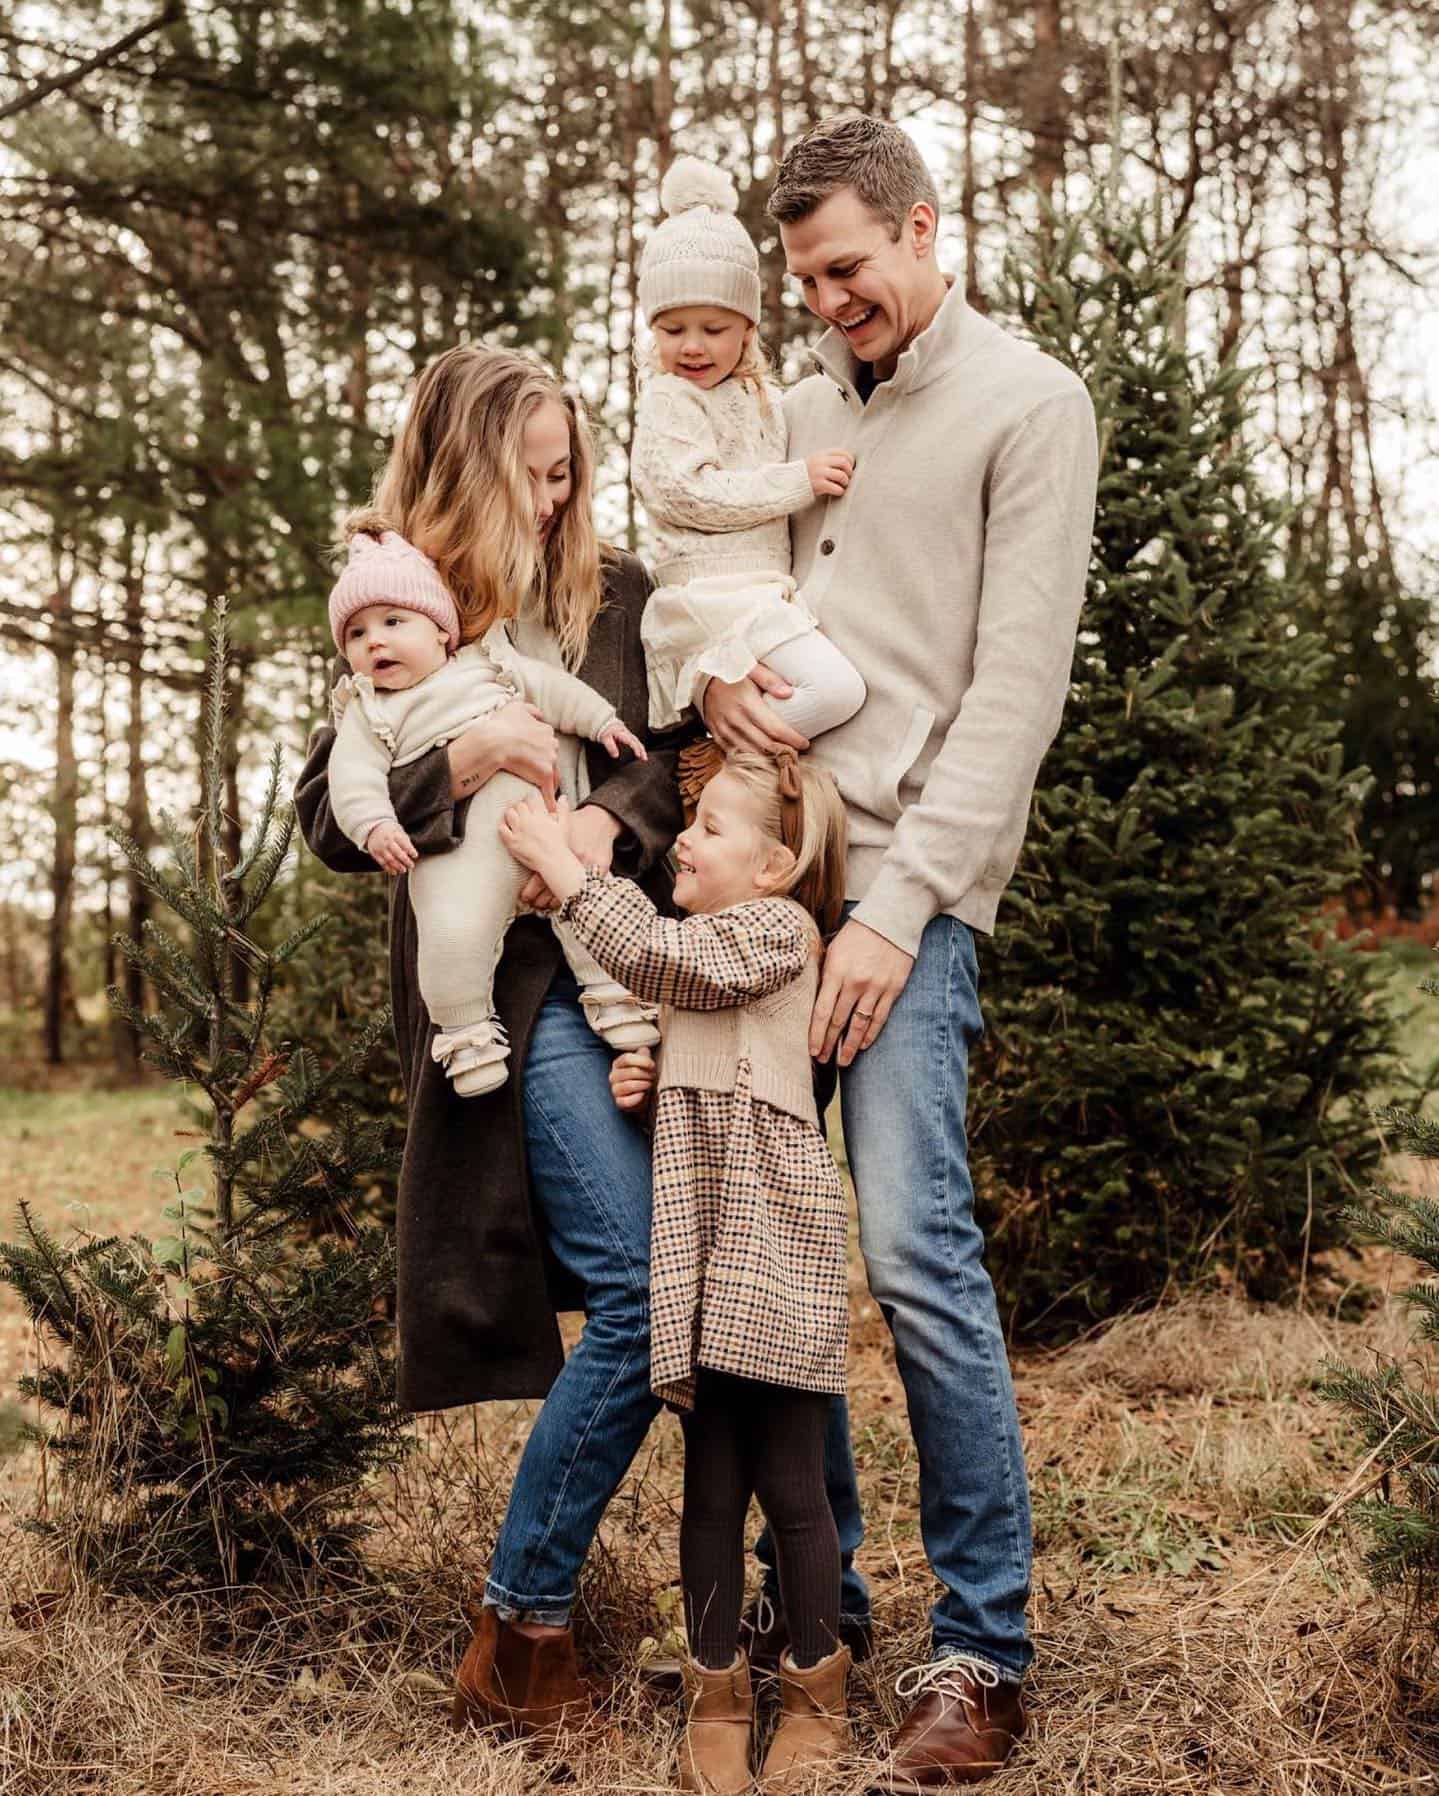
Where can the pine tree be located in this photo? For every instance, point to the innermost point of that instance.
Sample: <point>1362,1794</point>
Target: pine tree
<point>1175,1052</point>
<point>223,1390</point>
<point>1396,1403</point>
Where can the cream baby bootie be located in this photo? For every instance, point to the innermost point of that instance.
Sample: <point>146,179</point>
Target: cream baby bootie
<point>476,1058</point>
<point>618,1017</point>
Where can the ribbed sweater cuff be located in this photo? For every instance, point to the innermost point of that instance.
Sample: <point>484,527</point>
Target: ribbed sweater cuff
<point>896,909</point>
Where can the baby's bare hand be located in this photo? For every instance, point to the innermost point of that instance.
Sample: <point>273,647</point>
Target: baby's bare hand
<point>617,737</point>
<point>632,1075</point>
<point>829,472</point>
<point>389,846</point>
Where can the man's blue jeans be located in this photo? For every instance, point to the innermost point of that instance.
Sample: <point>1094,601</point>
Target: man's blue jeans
<point>590,1176</point>
<point>903,1103</point>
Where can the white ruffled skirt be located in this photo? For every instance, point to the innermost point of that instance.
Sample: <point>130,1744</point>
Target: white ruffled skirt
<point>715,627</point>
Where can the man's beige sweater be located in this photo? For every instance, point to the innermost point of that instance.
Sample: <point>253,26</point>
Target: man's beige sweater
<point>951,574</point>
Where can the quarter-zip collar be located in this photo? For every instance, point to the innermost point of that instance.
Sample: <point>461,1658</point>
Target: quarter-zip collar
<point>943,343</point>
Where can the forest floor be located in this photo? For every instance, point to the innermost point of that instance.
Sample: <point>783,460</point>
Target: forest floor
<point>1201,1620</point>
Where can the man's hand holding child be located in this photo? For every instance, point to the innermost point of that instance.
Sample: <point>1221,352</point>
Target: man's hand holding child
<point>388,845</point>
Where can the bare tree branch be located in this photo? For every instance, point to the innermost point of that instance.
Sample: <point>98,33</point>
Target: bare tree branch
<point>69,77</point>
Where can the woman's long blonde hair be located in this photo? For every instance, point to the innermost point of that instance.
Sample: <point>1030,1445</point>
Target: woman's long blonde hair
<point>456,486</point>
<point>799,805</point>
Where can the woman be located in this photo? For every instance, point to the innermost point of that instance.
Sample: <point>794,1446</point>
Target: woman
<point>500,1223</point>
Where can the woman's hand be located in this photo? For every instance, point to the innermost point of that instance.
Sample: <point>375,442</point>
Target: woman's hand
<point>538,839</point>
<point>632,1078</point>
<point>515,738</point>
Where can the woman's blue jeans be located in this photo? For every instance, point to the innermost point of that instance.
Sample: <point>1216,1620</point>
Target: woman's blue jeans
<point>590,1177</point>
<point>903,1102</point>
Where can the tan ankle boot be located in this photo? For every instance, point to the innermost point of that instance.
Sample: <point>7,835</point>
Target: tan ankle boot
<point>813,1729</point>
<point>715,1752</point>
<point>524,1683</point>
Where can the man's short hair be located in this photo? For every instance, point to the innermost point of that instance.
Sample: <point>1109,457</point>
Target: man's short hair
<point>870,155</point>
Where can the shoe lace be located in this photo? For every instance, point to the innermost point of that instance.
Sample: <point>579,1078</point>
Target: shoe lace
<point>957,1675</point>
<point>764,1616</point>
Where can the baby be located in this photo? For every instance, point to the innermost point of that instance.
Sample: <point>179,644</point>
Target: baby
<point>412,689</point>
<point>709,464</point>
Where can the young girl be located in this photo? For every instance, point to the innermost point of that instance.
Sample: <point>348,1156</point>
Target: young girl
<point>749,1316</point>
<point>411,688</point>
<point>708,462</point>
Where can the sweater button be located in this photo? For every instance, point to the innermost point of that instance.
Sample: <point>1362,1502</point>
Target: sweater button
<point>827,546</point>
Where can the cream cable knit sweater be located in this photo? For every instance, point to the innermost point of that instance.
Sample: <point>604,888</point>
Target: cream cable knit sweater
<point>710,468</point>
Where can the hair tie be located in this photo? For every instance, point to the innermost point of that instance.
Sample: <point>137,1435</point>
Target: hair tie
<point>791,801</point>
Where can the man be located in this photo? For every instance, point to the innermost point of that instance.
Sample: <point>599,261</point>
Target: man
<point>951,574</point>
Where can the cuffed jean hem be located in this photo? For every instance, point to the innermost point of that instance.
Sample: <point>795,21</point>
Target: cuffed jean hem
<point>945,1649</point>
<point>548,1611</point>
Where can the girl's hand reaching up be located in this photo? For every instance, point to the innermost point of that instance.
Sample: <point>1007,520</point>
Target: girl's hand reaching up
<point>617,737</point>
<point>632,1078</point>
<point>537,839</point>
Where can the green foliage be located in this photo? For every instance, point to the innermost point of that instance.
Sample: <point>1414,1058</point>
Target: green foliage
<point>222,1389</point>
<point>1176,1053</point>
<point>1394,1402</point>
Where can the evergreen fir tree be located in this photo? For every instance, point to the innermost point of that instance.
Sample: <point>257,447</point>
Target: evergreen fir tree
<point>1396,1403</point>
<point>1175,1052</point>
<point>223,1390</point>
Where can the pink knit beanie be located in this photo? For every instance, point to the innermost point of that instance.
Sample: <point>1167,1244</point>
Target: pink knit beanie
<point>391,571</point>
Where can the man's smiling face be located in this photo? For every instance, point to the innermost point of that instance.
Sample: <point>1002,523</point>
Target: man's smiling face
<point>881,292</point>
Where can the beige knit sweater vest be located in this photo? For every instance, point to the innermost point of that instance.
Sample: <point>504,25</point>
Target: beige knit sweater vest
<point>702,1049</point>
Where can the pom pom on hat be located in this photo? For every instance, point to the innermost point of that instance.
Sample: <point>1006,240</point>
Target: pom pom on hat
<point>701,255</point>
<point>691,182</point>
<point>387,570</point>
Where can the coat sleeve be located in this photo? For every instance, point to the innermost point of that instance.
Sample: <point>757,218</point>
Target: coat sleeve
<point>677,472</point>
<point>703,962</point>
<point>419,792</point>
<point>642,796</point>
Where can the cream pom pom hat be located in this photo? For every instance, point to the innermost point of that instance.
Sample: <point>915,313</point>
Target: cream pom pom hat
<point>701,255</point>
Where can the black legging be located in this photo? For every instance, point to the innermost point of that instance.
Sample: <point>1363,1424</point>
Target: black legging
<point>744,1438</point>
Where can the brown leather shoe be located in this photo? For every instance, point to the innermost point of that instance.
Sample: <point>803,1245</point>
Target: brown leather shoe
<point>524,1683</point>
<point>764,1634</point>
<point>962,1728</point>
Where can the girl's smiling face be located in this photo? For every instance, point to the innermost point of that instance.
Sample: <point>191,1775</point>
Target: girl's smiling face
<point>700,344</point>
<point>724,858</point>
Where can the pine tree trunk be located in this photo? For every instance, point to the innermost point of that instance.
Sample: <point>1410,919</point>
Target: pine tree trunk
<point>63,810</point>
<point>138,825</point>
<point>1046,98</point>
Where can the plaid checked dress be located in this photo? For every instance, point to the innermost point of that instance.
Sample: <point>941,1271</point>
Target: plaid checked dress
<point>747,1259</point>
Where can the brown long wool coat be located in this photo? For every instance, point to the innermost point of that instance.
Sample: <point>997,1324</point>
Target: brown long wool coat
<point>478,1292</point>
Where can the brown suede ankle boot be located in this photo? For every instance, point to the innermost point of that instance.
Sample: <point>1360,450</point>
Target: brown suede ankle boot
<point>527,1684</point>
<point>714,1757</point>
<point>813,1729</point>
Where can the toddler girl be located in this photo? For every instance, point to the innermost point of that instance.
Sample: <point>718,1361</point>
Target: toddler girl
<point>411,688</point>
<point>748,1285</point>
<point>708,462</point>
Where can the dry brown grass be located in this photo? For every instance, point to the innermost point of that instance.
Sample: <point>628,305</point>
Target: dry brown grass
<point>1199,1614</point>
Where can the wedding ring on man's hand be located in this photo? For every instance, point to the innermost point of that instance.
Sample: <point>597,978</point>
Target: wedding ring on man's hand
<point>865,1016</point>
